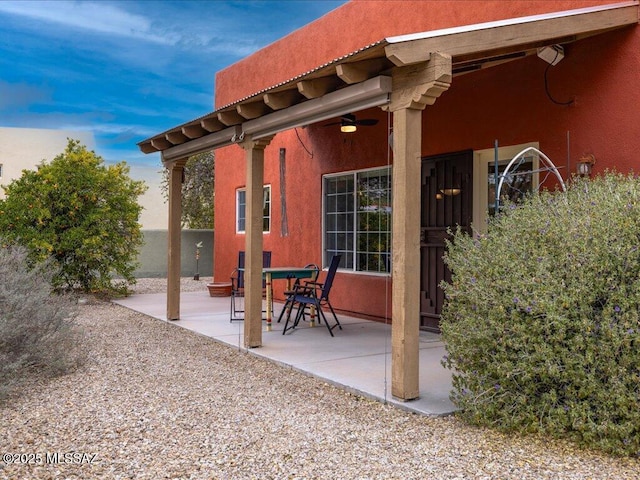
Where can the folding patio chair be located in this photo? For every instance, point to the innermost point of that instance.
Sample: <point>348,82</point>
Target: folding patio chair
<point>315,294</point>
<point>288,304</point>
<point>237,286</point>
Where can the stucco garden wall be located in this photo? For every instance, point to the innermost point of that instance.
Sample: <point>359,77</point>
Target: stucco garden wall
<point>153,254</point>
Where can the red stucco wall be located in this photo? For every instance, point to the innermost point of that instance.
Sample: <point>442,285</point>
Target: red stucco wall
<point>507,103</point>
<point>340,32</point>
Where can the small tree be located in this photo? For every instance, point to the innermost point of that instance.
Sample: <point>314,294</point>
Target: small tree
<point>197,191</point>
<point>82,214</point>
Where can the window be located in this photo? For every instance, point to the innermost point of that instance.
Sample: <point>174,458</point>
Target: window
<point>241,208</point>
<point>0,170</point>
<point>514,186</point>
<point>357,219</point>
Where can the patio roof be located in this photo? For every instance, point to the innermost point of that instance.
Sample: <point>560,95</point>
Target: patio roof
<point>362,78</point>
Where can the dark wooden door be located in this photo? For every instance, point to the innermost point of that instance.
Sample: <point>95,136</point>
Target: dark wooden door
<point>447,182</point>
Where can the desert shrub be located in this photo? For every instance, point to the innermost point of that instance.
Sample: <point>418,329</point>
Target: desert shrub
<point>541,320</point>
<point>80,213</point>
<point>37,330</point>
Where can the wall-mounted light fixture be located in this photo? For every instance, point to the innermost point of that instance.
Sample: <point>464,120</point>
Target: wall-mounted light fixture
<point>451,192</point>
<point>585,164</point>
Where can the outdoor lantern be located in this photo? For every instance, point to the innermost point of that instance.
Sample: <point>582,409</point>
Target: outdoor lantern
<point>451,192</point>
<point>585,164</point>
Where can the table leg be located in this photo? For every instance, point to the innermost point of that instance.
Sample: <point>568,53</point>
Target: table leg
<point>312,315</point>
<point>269,300</point>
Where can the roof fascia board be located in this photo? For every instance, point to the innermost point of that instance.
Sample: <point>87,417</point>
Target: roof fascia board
<point>370,93</point>
<point>469,39</point>
<point>225,137</point>
<point>507,22</point>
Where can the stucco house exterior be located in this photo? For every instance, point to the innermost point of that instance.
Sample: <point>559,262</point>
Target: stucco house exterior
<point>446,89</point>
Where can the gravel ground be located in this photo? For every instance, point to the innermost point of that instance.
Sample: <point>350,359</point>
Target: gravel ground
<point>156,401</point>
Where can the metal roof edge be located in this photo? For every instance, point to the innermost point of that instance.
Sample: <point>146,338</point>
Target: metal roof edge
<point>507,22</point>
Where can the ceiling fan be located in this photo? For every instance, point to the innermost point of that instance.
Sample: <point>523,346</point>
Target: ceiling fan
<point>348,123</point>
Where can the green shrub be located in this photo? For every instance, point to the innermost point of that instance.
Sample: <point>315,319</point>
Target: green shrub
<point>37,330</point>
<point>542,316</point>
<point>80,213</point>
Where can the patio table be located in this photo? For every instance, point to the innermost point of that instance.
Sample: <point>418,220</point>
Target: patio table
<point>282,273</point>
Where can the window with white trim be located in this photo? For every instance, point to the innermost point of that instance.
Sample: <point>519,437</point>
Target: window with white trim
<point>241,209</point>
<point>357,219</point>
<point>484,181</point>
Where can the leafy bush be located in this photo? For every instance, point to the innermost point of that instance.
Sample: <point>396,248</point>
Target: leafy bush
<point>542,316</point>
<point>37,332</point>
<point>82,214</point>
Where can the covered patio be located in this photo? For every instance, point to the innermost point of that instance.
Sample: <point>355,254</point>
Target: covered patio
<point>402,75</point>
<point>358,359</point>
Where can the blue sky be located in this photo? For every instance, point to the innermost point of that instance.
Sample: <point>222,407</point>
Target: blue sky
<point>127,70</point>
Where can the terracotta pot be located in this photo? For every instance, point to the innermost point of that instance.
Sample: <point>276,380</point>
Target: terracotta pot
<point>219,289</point>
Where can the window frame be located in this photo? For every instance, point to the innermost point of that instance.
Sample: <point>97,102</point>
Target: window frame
<point>354,231</point>
<point>266,209</point>
<point>482,160</point>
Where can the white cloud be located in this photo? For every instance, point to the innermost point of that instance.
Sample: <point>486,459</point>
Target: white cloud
<point>99,17</point>
<point>209,33</point>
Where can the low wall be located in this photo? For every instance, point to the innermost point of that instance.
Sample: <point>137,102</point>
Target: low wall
<point>153,254</point>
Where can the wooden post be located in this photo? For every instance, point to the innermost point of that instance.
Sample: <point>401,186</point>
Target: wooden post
<point>407,133</point>
<point>176,172</point>
<point>413,88</point>
<point>253,241</point>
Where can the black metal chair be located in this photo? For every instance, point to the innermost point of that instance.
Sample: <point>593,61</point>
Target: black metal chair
<point>237,286</point>
<point>288,304</point>
<point>315,294</point>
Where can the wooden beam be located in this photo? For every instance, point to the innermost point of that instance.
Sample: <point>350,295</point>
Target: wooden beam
<point>147,147</point>
<point>280,100</point>
<point>515,33</point>
<point>318,87</point>
<point>437,68</point>
<point>176,137</point>
<point>212,124</point>
<point>230,118</point>
<point>161,143</point>
<point>253,110</point>
<point>405,329</point>
<point>194,131</point>
<point>357,72</point>
<point>417,86</point>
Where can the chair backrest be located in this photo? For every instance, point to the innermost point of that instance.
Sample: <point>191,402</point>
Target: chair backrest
<point>333,267</point>
<point>266,263</point>
<point>314,276</point>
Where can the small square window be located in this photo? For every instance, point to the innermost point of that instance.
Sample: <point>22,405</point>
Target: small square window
<point>241,209</point>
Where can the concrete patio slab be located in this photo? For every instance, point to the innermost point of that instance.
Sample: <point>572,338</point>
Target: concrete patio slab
<point>357,358</point>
